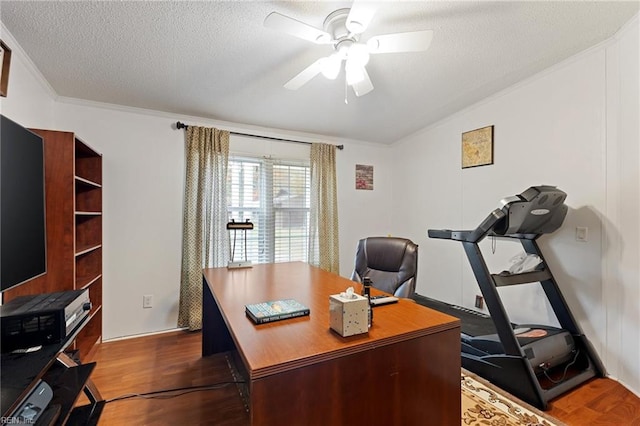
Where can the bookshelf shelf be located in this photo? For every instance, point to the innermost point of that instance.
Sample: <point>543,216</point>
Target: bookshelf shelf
<point>73,182</point>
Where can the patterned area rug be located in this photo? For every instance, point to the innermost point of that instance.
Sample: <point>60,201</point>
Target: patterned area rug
<point>485,405</point>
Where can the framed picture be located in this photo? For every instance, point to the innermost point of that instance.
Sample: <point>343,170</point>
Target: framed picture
<point>5,60</point>
<point>364,177</point>
<point>477,147</point>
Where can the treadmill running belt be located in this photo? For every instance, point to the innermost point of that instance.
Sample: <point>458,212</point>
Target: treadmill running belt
<point>472,323</point>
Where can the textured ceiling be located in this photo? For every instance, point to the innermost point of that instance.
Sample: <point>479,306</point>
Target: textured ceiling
<point>216,60</point>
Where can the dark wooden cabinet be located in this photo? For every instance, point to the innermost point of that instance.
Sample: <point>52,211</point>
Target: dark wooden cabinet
<point>73,188</point>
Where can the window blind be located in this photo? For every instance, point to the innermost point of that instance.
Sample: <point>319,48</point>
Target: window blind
<point>275,195</point>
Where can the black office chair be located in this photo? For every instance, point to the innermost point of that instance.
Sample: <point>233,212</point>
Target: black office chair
<point>390,262</point>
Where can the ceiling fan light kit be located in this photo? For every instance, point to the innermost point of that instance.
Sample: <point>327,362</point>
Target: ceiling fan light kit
<point>358,54</point>
<point>342,29</point>
<point>354,73</point>
<point>331,66</point>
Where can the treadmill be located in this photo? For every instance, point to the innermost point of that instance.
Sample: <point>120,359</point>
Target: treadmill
<point>533,362</point>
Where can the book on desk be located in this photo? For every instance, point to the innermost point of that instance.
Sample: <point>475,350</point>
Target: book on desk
<point>275,310</point>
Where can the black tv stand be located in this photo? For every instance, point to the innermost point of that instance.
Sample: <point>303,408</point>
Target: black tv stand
<point>21,372</point>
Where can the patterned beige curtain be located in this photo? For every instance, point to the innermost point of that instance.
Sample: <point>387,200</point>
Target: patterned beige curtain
<point>204,239</point>
<point>323,233</point>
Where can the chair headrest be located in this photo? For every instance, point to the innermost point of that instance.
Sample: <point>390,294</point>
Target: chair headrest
<point>387,253</point>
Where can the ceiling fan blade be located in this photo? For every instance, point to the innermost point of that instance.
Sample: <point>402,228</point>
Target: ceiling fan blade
<point>364,86</point>
<point>305,75</point>
<point>415,41</point>
<point>296,28</point>
<point>359,17</point>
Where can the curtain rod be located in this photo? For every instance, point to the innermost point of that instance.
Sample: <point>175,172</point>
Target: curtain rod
<point>180,125</point>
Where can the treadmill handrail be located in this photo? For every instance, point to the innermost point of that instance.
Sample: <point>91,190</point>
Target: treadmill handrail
<point>444,234</point>
<point>471,236</point>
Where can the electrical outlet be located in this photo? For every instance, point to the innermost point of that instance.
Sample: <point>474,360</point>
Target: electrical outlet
<point>147,301</point>
<point>582,234</point>
<point>479,302</point>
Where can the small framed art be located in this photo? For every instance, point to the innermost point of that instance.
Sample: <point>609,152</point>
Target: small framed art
<point>477,147</point>
<point>364,177</point>
<point>5,62</point>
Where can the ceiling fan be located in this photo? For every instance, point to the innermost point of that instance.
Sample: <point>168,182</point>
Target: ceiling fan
<point>342,29</point>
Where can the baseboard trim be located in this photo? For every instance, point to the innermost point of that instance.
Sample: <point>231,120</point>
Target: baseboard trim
<point>153,333</point>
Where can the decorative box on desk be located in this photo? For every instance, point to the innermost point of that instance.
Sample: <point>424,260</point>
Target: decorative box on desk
<point>348,314</point>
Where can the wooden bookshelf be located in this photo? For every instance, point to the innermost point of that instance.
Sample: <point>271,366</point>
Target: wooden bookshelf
<point>73,188</point>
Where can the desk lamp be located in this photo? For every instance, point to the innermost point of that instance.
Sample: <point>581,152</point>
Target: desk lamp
<point>235,227</point>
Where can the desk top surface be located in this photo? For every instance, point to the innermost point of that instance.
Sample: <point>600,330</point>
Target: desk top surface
<point>297,342</point>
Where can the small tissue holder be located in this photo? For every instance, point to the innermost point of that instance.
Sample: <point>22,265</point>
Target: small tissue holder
<point>349,313</point>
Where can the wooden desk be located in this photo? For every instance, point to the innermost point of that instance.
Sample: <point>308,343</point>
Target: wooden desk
<point>405,371</point>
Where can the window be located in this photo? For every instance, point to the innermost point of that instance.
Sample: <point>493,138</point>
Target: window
<point>275,196</point>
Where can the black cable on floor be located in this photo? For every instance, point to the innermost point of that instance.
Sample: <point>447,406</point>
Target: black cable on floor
<point>180,391</point>
<point>566,368</point>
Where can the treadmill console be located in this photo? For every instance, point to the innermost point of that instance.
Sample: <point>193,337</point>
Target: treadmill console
<point>538,210</point>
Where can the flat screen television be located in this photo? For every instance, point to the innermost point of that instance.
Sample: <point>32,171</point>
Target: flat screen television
<point>23,237</point>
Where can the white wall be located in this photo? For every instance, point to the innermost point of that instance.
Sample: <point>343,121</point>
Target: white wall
<point>574,126</point>
<point>30,100</point>
<point>143,175</point>
<point>143,168</point>
<point>362,213</point>
<point>621,248</point>
<point>540,138</point>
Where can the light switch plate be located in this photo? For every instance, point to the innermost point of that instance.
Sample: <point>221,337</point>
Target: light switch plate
<point>582,234</point>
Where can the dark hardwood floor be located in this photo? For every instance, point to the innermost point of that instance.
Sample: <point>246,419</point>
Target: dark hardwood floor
<point>173,360</point>
<point>161,362</point>
<point>598,402</point>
